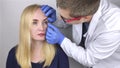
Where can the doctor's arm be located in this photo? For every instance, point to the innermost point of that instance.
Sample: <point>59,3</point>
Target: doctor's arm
<point>102,47</point>
<point>54,36</point>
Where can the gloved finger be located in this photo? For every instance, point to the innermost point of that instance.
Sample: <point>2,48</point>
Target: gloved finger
<point>48,41</point>
<point>46,9</point>
<point>52,27</point>
<point>51,19</point>
<point>48,38</point>
<point>50,12</point>
<point>50,30</point>
<point>43,7</point>
<point>48,34</point>
<point>51,41</point>
<point>53,15</point>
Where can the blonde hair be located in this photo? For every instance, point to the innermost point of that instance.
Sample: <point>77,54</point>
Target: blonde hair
<point>23,52</point>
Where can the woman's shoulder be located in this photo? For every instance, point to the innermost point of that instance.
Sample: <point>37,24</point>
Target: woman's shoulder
<point>11,59</point>
<point>13,50</point>
<point>61,59</point>
<point>59,51</point>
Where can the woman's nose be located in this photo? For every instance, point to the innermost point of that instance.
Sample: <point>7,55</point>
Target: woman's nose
<point>40,27</point>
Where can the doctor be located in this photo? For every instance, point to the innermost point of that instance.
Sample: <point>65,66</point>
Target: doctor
<point>102,43</point>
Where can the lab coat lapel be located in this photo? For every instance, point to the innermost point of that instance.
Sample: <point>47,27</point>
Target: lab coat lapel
<point>92,26</point>
<point>93,23</point>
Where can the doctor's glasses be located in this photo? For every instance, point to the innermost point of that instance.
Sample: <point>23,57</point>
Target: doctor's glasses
<point>70,20</point>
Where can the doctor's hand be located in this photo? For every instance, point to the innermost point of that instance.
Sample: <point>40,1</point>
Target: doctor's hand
<point>49,12</point>
<point>53,35</point>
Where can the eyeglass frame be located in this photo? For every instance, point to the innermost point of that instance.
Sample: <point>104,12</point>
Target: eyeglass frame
<point>70,20</point>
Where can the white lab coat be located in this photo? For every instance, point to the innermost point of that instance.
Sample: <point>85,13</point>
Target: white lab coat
<point>102,39</point>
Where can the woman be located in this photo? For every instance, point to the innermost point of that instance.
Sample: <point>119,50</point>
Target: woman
<point>33,51</point>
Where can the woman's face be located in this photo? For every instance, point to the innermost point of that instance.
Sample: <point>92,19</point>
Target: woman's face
<point>39,26</point>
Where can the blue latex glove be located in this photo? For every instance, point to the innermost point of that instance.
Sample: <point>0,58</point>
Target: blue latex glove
<point>49,12</point>
<point>53,35</point>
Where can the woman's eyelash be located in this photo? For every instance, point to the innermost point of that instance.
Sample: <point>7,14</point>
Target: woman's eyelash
<point>45,22</point>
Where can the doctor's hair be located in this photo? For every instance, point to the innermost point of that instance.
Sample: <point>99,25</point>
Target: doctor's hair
<point>79,7</point>
<point>23,51</point>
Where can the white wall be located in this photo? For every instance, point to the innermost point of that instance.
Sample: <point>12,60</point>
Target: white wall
<point>10,11</point>
<point>0,29</point>
<point>0,32</point>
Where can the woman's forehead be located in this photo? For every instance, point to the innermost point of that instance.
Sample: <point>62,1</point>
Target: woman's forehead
<point>39,14</point>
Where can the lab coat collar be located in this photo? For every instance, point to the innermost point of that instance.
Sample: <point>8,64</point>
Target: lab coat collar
<point>96,17</point>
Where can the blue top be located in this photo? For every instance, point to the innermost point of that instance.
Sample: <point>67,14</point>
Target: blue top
<point>60,60</point>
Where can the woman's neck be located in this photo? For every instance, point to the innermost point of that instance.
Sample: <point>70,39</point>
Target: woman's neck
<point>37,51</point>
<point>37,45</point>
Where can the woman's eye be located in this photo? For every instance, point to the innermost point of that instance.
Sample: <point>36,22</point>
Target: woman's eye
<point>34,23</point>
<point>46,22</point>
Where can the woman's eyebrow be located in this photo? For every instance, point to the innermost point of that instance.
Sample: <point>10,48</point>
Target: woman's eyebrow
<point>35,20</point>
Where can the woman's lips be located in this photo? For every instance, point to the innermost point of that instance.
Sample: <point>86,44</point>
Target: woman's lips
<point>41,34</point>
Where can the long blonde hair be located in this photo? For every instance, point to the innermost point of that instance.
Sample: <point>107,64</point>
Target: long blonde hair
<point>23,52</point>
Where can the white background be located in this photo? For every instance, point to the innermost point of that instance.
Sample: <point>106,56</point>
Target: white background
<point>10,11</point>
